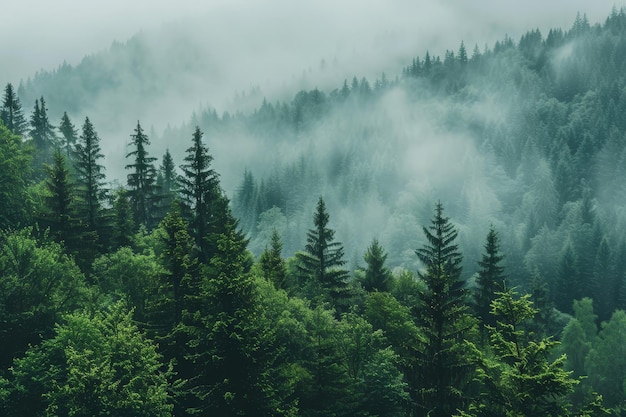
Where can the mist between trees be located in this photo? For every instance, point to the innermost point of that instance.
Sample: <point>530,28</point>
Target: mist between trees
<point>413,245</point>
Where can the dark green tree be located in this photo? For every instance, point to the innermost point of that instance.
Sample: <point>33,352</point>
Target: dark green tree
<point>123,223</point>
<point>490,278</point>
<point>199,188</point>
<point>15,168</point>
<point>11,112</point>
<point>58,215</point>
<point>321,262</point>
<point>272,263</point>
<point>90,175</point>
<point>69,135</point>
<point>43,137</point>
<point>142,180</point>
<point>38,284</point>
<point>376,276</point>
<point>166,183</point>
<point>445,362</point>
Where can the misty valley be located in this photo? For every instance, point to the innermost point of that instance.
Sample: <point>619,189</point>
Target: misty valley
<point>448,240</point>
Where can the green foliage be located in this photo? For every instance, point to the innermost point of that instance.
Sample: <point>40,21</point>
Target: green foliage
<point>272,264</point>
<point>199,188</point>
<point>142,180</point>
<point>490,278</point>
<point>90,177</point>
<point>38,283</point>
<point>127,275</point>
<point>94,365</point>
<point>521,378</point>
<point>43,137</point>
<point>321,262</point>
<point>445,361</point>
<point>11,112</point>
<point>377,276</point>
<point>15,169</point>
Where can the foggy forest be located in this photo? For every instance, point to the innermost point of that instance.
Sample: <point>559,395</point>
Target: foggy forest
<point>439,234</point>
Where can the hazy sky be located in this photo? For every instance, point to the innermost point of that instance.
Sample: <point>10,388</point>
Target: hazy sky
<point>39,34</point>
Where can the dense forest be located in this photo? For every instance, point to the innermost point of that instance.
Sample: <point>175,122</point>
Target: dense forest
<point>444,241</point>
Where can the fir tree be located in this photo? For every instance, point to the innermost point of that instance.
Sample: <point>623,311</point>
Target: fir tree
<point>11,112</point>
<point>522,381</point>
<point>199,188</point>
<point>166,183</point>
<point>90,185</point>
<point>490,278</point>
<point>142,180</point>
<point>42,134</point>
<point>322,260</point>
<point>445,363</point>
<point>273,264</point>
<point>69,134</point>
<point>377,277</point>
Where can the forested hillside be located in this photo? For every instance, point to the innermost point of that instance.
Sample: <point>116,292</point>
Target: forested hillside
<point>448,240</point>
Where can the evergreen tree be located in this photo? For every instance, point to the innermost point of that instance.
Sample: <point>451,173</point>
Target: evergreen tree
<point>142,180</point>
<point>11,112</point>
<point>42,134</point>
<point>199,188</point>
<point>90,175</point>
<point>490,278</point>
<point>273,264</point>
<point>69,134</point>
<point>60,214</point>
<point>166,183</point>
<point>522,379</point>
<point>377,277</point>
<point>15,168</point>
<point>322,260</point>
<point>123,224</point>
<point>445,363</point>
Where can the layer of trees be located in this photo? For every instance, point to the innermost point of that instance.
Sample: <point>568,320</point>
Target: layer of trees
<point>144,298</point>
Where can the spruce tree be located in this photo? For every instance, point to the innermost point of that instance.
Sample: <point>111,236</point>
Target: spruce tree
<point>273,264</point>
<point>43,136</point>
<point>142,180</point>
<point>377,276</point>
<point>166,184</point>
<point>11,112</point>
<point>521,379</point>
<point>123,224</point>
<point>490,278</point>
<point>445,363</point>
<point>199,188</point>
<point>321,263</point>
<point>90,184</point>
<point>59,213</point>
<point>69,134</point>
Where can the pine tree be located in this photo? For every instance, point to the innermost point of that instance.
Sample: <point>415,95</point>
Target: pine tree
<point>166,183</point>
<point>60,214</point>
<point>123,224</point>
<point>42,134</point>
<point>490,278</point>
<point>11,112</point>
<point>377,277</point>
<point>445,363</point>
<point>90,184</point>
<point>273,264</point>
<point>199,188</point>
<point>142,180</point>
<point>69,134</point>
<point>522,380</point>
<point>322,260</point>
<point>15,169</point>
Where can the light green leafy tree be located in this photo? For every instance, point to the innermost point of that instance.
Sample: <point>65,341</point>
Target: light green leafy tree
<point>95,365</point>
